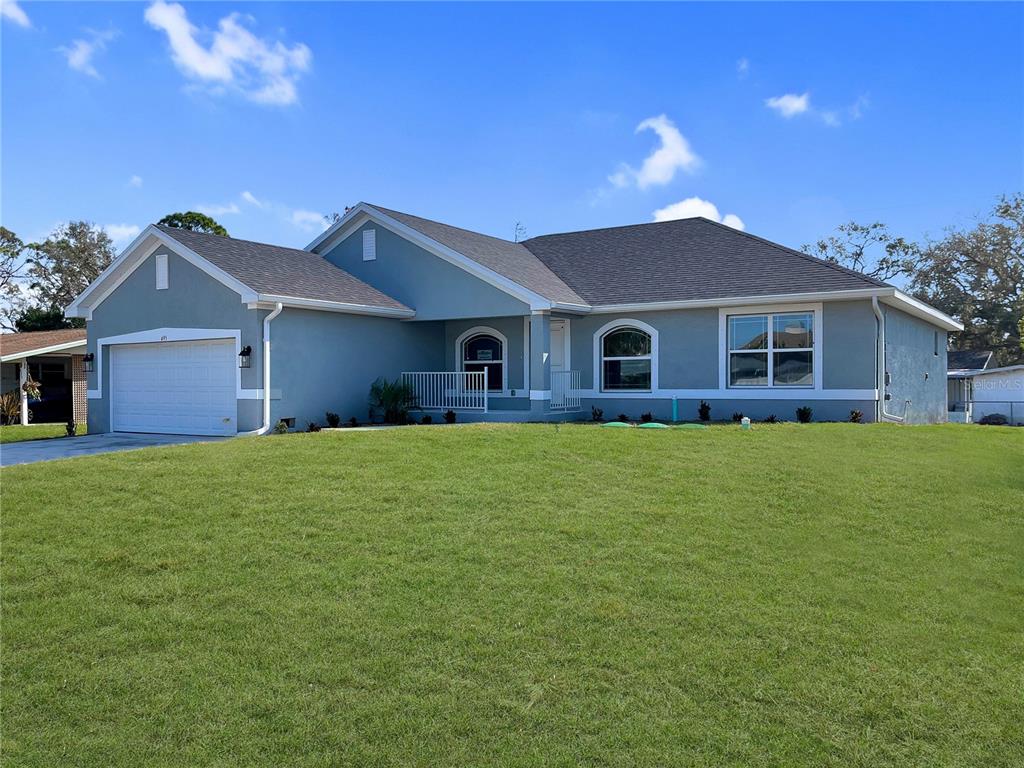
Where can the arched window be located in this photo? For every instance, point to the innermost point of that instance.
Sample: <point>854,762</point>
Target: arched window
<point>626,359</point>
<point>485,352</point>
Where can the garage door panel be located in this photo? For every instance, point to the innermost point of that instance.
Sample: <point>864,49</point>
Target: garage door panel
<point>174,387</point>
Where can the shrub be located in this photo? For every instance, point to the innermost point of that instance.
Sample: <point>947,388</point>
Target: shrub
<point>647,417</point>
<point>352,422</point>
<point>280,428</point>
<point>596,414</point>
<point>427,419</point>
<point>312,427</point>
<point>856,416</point>
<point>771,418</point>
<point>391,400</point>
<point>737,416</point>
<point>622,417</point>
<point>704,411</point>
<point>994,420</point>
<point>449,416</point>
<point>804,413</point>
<point>10,407</point>
<point>332,419</point>
<point>71,428</point>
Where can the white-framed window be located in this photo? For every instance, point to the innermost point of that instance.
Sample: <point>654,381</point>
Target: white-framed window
<point>369,244</point>
<point>771,349</point>
<point>627,360</point>
<point>161,271</point>
<point>483,351</point>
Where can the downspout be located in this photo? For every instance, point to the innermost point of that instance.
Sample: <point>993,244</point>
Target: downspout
<point>880,413</point>
<point>266,369</point>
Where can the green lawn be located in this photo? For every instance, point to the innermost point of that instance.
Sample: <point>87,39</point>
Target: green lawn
<point>521,595</point>
<point>16,433</point>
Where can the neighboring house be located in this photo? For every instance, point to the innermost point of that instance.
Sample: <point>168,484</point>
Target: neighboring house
<point>54,359</point>
<point>976,390</point>
<point>195,333</point>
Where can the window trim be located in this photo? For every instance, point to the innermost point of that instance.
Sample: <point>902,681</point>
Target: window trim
<point>484,330</point>
<point>599,358</point>
<point>770,310</point>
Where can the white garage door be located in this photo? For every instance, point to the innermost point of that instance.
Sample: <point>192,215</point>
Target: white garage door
<point>179,387</point>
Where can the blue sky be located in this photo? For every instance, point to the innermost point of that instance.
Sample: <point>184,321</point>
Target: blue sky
<point>786,118</point>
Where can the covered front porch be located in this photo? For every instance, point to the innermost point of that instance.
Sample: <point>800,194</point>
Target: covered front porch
<point>502,369</point>
<point>56,362</point>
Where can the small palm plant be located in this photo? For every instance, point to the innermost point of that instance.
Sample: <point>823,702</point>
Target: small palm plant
<point>391,400</point>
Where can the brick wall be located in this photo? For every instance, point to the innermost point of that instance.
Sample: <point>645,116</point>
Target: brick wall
<point>80,402</point>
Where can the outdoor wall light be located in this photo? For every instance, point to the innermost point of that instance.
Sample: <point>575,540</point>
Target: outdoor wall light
<point>87,363</point>
<point>245,357</point>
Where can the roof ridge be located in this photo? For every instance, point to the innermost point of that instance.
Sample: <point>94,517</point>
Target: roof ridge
<point>795,252</point>
<point>382,209</point>
<point>171,230</point>
<point>620,226</point>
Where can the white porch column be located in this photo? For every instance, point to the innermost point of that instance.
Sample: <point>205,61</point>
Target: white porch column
<point>540,360</point>
<point>22,380</point>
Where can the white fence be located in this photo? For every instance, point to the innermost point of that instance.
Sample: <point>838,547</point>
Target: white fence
<point>565,390</point>
<point>455,390</point>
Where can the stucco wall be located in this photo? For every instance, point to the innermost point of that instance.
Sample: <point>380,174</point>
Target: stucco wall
<point>513,329</point>
<point>192,300</point>
<point>436,289</point>
<point>690,353</point>
<point>916,372</point>
<point>326,361</point>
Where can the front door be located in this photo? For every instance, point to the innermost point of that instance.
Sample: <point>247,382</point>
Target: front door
<point>558,346</point>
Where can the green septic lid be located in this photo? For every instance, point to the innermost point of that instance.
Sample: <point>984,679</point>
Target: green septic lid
<point>691,426</point>
<point>616,424</point>
<point>652,425</point>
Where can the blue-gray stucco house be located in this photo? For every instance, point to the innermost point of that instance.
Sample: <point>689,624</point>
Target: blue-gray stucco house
<point>199,334</point>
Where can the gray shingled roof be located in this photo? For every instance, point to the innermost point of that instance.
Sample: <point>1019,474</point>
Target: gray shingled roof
<point>686,259</point>
<point>968,360</point>
<point>508,259</point>
<point>271,269</point>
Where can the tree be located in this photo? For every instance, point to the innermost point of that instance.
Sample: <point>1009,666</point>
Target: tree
<point>12,270</point>
<point>195,222</point>
<point>67,262</point>
<point>40,319</point>
<point>977,276</point>
<point>869,249</point>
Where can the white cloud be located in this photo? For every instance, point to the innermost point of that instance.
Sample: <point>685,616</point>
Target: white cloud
<point>790,105</point>
<point>80,53</point>
<point>695,206</point>
<point>743,67</point>
<point>11,10</point>
<point>135,181</point>
<point>251,199</point>
<point>122,234</point>
<point>218,210</point>
<point>660,166</point>
<point>263,71</point>
<point>310,221</point>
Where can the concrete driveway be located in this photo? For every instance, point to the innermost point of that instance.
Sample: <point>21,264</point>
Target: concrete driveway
<point>30,451</point>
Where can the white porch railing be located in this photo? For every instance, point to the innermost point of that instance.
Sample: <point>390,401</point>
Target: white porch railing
<point>455,390</point>
<point>565,391</point>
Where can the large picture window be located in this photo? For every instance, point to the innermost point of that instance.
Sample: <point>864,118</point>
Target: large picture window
<point>626,360</point>
<point>771,350</point>
<point>486,353</point>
